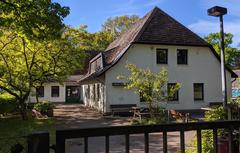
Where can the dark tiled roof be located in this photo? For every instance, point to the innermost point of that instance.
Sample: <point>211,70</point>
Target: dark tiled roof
<point>156,27</point>
<point>163,29</point>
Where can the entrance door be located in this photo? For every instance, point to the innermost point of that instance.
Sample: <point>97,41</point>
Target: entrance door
<point>73,94</point>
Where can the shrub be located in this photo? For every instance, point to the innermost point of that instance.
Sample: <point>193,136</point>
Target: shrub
<point>43,106</point>
<point>215,114</point>
<point>7,104</point>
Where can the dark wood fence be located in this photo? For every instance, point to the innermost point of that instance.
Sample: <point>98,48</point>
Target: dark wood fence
<point>63,135</point>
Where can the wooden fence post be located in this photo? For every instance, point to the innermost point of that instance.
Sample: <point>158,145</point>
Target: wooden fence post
<point>38,142</point>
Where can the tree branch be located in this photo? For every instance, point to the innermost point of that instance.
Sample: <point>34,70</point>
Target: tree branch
<point>10,92</point>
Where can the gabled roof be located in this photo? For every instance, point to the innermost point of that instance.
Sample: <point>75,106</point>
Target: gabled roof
<point>156,27</point>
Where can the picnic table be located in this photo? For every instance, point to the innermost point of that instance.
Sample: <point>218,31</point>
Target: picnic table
<point>139,112</point>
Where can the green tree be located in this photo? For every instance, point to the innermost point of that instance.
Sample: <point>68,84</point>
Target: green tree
<point>89,41</point>
<point>232,55</point>
<point>152,86</point>
<point>119,24</point>
<point>25,64</point>
<point>100,40</point>
<point>40,19</point>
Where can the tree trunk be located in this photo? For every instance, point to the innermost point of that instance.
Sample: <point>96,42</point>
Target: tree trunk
<point>37,99</point>
<point>23,109</point>
<point>23,106</point>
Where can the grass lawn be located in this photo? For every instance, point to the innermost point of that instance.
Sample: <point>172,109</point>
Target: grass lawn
<point>13,130</point>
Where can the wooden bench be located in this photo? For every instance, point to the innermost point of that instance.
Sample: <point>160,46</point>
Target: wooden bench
<point>121,108</point>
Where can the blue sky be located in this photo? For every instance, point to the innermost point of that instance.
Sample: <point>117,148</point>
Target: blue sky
<point>191,13</point>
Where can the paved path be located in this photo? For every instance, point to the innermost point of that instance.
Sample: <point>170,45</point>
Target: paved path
<point>77,116</point>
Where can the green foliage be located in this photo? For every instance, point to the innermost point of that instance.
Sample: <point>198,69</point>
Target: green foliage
<point>232,55</point>
<point>12,130</point>
<point>119,24</point>
<point>84,40</point>
<point>33,19</point>
<point>215,114</point>
<point>152,86</point>
<point>43,106</point>
<point>7,104</point>
<point>25,64</point>
<point>100,40</point>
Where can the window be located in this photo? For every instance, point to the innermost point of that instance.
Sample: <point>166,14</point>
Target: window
<point>173,97</point>
<point>55,91</point>
<point>198,89</point>
<point>40,91</point>
<point>162,56</point>
<point>182,56</point>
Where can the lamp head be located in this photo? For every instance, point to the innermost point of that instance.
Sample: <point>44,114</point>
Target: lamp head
<point>217,11</point>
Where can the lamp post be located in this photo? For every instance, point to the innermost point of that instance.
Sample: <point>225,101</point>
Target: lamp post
<point>218,11</point>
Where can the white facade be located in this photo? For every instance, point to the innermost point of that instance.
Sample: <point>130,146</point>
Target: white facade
<point>203,67</point>
<point>70,82</point>
<point>47,93</point>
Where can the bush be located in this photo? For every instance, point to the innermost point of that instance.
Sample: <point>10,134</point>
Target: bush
<point>7,104</point>
<point>215,114</point>
<point>43,106</point>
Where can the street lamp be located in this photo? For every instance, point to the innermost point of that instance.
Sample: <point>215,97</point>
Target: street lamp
<point>218,11</point>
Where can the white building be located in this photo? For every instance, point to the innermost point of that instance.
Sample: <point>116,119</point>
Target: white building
<point>68,92</point>
<point>156,41</point>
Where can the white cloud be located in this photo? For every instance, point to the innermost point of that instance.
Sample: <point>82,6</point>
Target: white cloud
<point>203,28</point>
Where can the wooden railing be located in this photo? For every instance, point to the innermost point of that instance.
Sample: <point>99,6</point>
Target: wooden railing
<point>127,131</point>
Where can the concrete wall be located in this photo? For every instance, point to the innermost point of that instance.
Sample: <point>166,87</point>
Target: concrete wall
<point>202,67</point>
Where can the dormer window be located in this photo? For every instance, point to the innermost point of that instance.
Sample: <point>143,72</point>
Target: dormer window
<point>96,65</point>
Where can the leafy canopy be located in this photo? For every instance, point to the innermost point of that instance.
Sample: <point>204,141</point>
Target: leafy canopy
<point>119,24</point>
<point>40,19</point>
<point>85,40</point>
<point>100,40</point>
<point>232,55</point>
<point>27,64</point>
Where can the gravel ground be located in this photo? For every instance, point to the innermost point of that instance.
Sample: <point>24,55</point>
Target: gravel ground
<point>77,116</point>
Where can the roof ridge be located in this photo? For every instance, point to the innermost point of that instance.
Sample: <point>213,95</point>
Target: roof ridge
<point>146,23</point>
<point>135,25</point>
<point>182,25</point>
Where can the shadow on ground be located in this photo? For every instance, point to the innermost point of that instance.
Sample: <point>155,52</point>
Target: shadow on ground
<point>77,116</point>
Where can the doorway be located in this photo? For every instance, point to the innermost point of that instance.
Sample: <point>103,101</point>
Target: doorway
<point>73,94</point>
